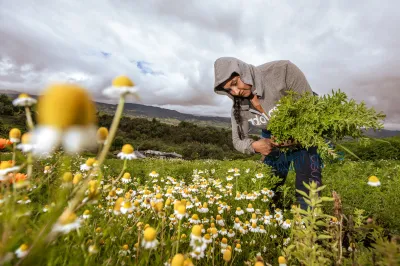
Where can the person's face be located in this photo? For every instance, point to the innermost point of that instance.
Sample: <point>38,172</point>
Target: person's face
<point>236,87</point>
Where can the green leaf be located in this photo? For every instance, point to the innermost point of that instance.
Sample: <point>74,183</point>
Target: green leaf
<point>327,199</point>
<point>324,237</point>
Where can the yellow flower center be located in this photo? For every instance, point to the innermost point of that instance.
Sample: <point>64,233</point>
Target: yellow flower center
<point>67,218</point>
<point>15,133</point>
<point>67,177</point>
<point>24,247</point>
<point>178,260</point>
<point>287,221</point>
<point>196,230</point>
<point>254,225</point>
<point>253,216</point>
<point>127,195</point>
<point>122,81</point>
<point>181,209</point>
<point>227,255</point>
<point>250,206</point>
<point>281,260</point>
<point>26,137</point>
<point>86,212</point>
<point>127,149</point>
<point>238,246</point>
<point>77,178</point>
<point>5,165</point>
<point>127,175</point>
<point>149,234</point>
<point>102,133</point>
<point>127,204</point>
<point>90,161</point>
<point>23,95</point>
<point>65,105</point>
<point>373,179</point>
<point>158,196</point>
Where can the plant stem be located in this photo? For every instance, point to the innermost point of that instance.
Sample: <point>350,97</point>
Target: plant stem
<point>179,235</point>
<point>29,118</point>
<point>14,151</point>
<point>113,130</point>
<point>30,165</point>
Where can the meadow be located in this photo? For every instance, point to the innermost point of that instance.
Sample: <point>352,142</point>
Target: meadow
<point>60,206</point>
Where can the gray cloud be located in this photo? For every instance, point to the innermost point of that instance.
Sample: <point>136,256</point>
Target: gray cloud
<point>337,44</point>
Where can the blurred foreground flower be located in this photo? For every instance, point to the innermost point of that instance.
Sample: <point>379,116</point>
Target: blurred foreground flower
<point>24,100</point>
<point>4,143</point>
<point>121,86</point>
<point>374,181</point>
<point>67,222</point>
<point>150,241</point>
<point>102,134</point>
<point>66,115</point>
<point>26,145</point>
<point>282,261</point>
<point>5,168</point>
<point>15,135</point>
<point>22,251</point>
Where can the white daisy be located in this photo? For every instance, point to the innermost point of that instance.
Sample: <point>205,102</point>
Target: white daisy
<point>121,86</point>
<point>374,181</point>
<point>127,153</point>
<point>22,251</point>
<point>67,222</point>
<point>24,100</point>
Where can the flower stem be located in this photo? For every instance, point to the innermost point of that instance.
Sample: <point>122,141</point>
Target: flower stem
<point>14,151</point>
<point>30,165</point>
<point>113,130</point>
<point>179,235</point>
<point>29,118</point>
<point>122,171</point>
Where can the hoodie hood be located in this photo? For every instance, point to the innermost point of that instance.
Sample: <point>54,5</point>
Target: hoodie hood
<point>224,67</point>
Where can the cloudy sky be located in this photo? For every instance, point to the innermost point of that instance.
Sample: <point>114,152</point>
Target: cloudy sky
<point>169,47</point>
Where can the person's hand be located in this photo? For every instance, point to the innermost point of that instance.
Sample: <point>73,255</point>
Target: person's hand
<point>264,146</point>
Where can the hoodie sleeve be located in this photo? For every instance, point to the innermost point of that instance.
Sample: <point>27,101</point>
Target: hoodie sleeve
<point>242,145</point>
<point>296,80</point>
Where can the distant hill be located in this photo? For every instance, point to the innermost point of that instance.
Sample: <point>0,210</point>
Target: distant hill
<point>174,117</point>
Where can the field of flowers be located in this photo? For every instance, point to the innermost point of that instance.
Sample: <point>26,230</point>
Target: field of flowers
<point>58,207</point>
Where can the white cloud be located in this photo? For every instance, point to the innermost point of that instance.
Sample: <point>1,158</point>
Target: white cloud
<point>337,44</point>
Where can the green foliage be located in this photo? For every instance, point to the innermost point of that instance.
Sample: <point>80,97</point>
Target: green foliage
<point>312,120</point>
<point>374,149</point>
<point>309,233</point>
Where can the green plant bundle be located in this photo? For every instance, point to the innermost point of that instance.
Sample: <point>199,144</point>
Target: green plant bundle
<point>320,120</point>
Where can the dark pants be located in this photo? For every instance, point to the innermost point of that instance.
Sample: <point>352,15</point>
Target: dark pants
<point>307,164</point>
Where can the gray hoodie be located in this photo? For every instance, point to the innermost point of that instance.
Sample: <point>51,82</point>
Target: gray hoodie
<point>269,82</point>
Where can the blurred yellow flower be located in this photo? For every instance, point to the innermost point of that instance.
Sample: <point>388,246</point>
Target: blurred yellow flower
<point>66,115</point>
<point>149,240</point>
<point>121,87</point>
<point>5,168</point>
<point>67,222</point>
<point>15,135</point>
<point>102,134</point>
<point>178,260</point>
<point>22,251</point>
<point>26,145</point>
<point>282,261</point>
<point>24,100</point>
<point>227,255</point>
<point>374,181</point>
